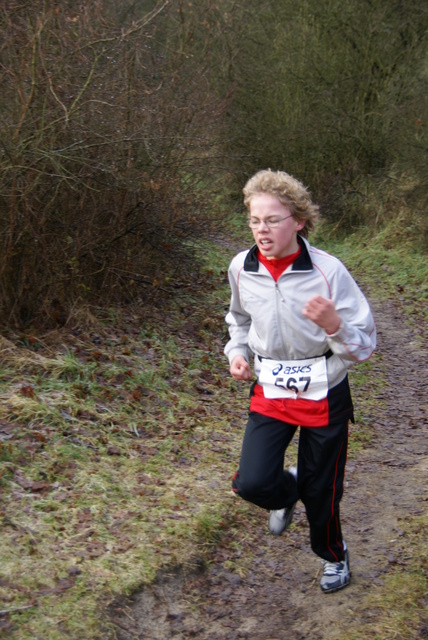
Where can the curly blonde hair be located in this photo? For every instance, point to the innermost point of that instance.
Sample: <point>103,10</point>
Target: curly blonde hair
<point>289,191</point>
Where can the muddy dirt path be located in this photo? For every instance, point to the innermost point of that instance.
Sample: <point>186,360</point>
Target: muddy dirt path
<point>280,598</point>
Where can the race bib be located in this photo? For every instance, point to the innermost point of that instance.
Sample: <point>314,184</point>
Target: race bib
<point>294,378</point>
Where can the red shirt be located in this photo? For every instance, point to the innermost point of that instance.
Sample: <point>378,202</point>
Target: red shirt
<point>276,266</point>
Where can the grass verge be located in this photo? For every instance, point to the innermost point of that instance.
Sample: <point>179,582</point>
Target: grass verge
<point>117,443</point>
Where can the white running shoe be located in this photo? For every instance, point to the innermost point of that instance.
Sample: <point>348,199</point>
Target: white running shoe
<point>280,519</point>
<point>336,575</point>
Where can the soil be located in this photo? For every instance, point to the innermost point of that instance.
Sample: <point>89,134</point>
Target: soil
<point>280,597</point>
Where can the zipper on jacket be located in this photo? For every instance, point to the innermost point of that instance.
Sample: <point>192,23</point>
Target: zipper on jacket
<point>278,299</point>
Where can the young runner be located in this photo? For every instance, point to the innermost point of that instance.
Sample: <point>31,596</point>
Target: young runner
<point>300,318</point>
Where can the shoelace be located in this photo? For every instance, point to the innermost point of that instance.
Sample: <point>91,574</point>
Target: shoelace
<point>332,568</point>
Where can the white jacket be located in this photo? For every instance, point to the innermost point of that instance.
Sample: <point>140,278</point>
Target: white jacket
<point>265,317</point>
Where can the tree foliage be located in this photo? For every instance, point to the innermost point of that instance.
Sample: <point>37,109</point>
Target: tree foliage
<point>332,92</point>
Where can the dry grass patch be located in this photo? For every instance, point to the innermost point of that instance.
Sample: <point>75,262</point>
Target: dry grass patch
<point>117,446</point>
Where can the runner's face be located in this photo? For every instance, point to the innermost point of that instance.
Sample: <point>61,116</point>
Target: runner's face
<point>278,241</point>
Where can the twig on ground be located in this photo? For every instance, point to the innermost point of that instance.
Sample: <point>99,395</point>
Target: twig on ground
<point>6,612</point>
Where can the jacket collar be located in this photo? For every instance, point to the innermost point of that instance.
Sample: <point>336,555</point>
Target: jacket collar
<point>303,262</point>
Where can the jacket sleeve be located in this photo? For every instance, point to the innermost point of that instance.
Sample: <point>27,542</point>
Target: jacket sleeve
<point>238,320</point>
<point>355,340</point>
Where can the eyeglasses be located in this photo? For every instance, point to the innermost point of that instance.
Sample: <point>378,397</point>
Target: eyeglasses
<point>271,223</point>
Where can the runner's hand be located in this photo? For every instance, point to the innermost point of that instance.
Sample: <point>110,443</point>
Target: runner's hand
<point>240,369</point>
<point>322,311</point>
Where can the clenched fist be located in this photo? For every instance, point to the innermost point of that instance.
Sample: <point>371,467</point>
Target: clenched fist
<point>240,369</point>
<point>322,311</point>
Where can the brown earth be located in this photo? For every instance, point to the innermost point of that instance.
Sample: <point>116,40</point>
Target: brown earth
<point>280,598</point>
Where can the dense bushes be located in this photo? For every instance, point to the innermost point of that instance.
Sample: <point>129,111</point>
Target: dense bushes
<point>108,130</point>
<point>122,123</point>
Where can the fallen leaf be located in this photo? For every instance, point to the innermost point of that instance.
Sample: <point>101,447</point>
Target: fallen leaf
<point>27,390</point>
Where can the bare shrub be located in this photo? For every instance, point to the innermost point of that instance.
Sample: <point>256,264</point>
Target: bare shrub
<point>108,129</point>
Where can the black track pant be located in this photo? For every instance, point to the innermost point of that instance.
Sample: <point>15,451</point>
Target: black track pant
<point>321,469</point>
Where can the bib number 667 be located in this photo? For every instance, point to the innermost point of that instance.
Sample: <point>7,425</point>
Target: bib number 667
<point>291,383</point>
